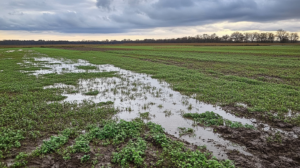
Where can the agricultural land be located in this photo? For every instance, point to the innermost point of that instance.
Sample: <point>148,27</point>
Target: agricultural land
<point>150,105</point>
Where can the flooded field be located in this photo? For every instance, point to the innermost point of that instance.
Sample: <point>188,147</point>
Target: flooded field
<point>138,95</point>
<point>134,93</point>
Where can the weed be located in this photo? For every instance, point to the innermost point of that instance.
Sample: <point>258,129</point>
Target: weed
<point>185,131</point>
<point>207,118</point>
<point>85,158</point>
<point>10,138</point>
<point>190,107</point>
<point>145,115</point>
<point>275,138</point>
<point>167,113</point>
<point>133,152</point>
<point>55,142</point>
<point>174,153</point>
<point>238,125</point>
<point>214,119</point>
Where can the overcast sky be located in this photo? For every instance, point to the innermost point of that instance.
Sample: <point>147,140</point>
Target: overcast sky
<point>138,19</point>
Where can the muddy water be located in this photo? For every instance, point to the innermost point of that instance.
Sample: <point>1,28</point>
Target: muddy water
<point>135,93</point>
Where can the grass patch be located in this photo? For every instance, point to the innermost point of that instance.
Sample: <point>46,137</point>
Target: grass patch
<point>265,80</point>
<point>92,93</point>
<point>234,81</point>
<point>145,115</point>
<point>86,67</point>
<point>209,118</point>
<point>105,103</point>
<point>34,68</point>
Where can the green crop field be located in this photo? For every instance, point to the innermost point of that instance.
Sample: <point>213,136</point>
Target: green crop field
<point>37,126</point>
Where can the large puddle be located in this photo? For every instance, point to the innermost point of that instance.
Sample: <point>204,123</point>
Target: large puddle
<point>135,93</point>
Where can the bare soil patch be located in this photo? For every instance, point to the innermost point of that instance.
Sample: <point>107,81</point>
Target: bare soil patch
<point>272,149</point>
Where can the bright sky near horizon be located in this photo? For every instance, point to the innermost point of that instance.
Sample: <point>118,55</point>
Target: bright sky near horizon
<point>140,19</point>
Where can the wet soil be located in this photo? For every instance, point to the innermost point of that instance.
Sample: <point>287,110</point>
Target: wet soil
<point>261,120</point>
<point>141,93</point>
<point>27,146</point>
<point>100,156</point>
<point>268,148</point>
<point>271,149</point>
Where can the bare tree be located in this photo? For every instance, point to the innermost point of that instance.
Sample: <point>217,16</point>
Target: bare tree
<point>213,36</point>
<point>237,36</point>
<point>247,37</point>
<point>282,35</point>
<point>263,37</point>
<point>258,37</point>
<point>271,37</point>
<point>294,37</point>
<point>225,37</point>
<point>252,36</point>
<point>241,38</point>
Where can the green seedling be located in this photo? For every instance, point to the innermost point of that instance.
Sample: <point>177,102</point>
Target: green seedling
<point>85,158</point>
<point>132,153</point>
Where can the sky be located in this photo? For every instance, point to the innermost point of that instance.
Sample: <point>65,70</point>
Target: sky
<point>140,19</point>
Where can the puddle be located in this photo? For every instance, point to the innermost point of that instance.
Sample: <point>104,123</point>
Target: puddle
<point>60,66</point>
<point>10,162</point>
<point>10,51</point>
<point>135,93</point>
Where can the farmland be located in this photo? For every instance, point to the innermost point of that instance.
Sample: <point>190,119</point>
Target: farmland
<point>150,106</point>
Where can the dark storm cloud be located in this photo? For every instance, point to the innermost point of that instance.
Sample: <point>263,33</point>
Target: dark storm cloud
<point>115,16</point>
<point>163,4</point>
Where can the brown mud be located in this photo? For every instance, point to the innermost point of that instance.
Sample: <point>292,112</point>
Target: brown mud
<point>100,155</point>
<point>271,149</point>
<point>259,116</point>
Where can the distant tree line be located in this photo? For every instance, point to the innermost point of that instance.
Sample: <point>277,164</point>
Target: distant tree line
<point>49,42</point>
<point>281,36</point>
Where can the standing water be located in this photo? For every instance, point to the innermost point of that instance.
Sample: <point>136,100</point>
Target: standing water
<point>135,93</point>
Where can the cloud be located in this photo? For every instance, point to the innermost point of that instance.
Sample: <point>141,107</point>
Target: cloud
<point>15,13</point>
<point>121,16</point>
<point>176,4</point>
<point>104,4</point>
